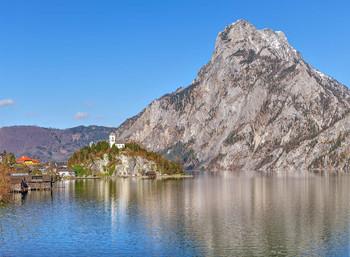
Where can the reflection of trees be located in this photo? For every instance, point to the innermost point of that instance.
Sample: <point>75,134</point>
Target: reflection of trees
<point>17,221</point>
<point>11,218</point>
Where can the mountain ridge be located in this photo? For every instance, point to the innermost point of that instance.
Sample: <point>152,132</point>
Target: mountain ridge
<point>49,144</point>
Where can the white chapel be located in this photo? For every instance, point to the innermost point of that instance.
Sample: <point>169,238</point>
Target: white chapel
<point>112,141</point>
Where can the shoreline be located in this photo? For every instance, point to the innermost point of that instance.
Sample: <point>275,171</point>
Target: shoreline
<point>175,176</point>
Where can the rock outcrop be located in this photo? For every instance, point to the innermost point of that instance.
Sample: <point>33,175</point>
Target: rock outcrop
<point>255,105</point>
<point>126,165</point>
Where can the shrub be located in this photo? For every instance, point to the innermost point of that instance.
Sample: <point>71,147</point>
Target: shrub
<point>111,170</point>
<point>80,171</point>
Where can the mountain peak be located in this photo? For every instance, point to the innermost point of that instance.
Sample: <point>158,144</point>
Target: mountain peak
<point>242,35</point>
<point>243,23</point>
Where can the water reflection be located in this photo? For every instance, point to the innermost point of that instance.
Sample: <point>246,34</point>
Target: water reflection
<point>219,213</point>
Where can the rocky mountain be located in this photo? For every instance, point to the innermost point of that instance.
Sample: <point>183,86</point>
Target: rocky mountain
<point>255,105</point>
<point>47,144</point>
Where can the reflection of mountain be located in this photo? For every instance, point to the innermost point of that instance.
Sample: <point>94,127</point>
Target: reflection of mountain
<point>258,215</point>
<point>229,213</point>
<point>216,214</point>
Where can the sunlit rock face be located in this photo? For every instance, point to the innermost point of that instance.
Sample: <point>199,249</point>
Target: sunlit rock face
<point>255,105</point>
<point>126,165</point>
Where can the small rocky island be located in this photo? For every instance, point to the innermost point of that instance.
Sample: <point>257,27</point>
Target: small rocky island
<point>103,159</point>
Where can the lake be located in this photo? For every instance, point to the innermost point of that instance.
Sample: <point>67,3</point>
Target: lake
<point>214,213</point>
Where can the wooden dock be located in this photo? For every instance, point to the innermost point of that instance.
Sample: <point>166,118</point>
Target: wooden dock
<point>30,183</point>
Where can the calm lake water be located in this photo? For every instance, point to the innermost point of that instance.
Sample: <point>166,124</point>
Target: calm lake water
<point>215,214</point>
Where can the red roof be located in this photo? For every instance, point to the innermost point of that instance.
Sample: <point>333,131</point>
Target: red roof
<point>25,159</point>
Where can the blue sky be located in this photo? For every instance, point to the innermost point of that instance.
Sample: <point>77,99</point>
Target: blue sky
<point>69,63</point>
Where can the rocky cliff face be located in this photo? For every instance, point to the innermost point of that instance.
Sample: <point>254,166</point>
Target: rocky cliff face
<point>126,165</point>
<point>48,144</point>
<point>255,105</point>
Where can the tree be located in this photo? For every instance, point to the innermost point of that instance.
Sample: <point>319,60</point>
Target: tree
<point>4,185</point>
<point>5,168</point>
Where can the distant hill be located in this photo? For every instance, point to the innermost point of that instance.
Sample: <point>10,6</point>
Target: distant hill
<point>48,144</point>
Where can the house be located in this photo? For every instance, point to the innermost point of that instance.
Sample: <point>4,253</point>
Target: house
<point>151,174</point>
<point>36,161</point>
<point>112,141</point>
<point>30,182</point>
<point>61,165</point>
<point>119,144</point>
<point>67,173</point>
<point>27,161</point>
